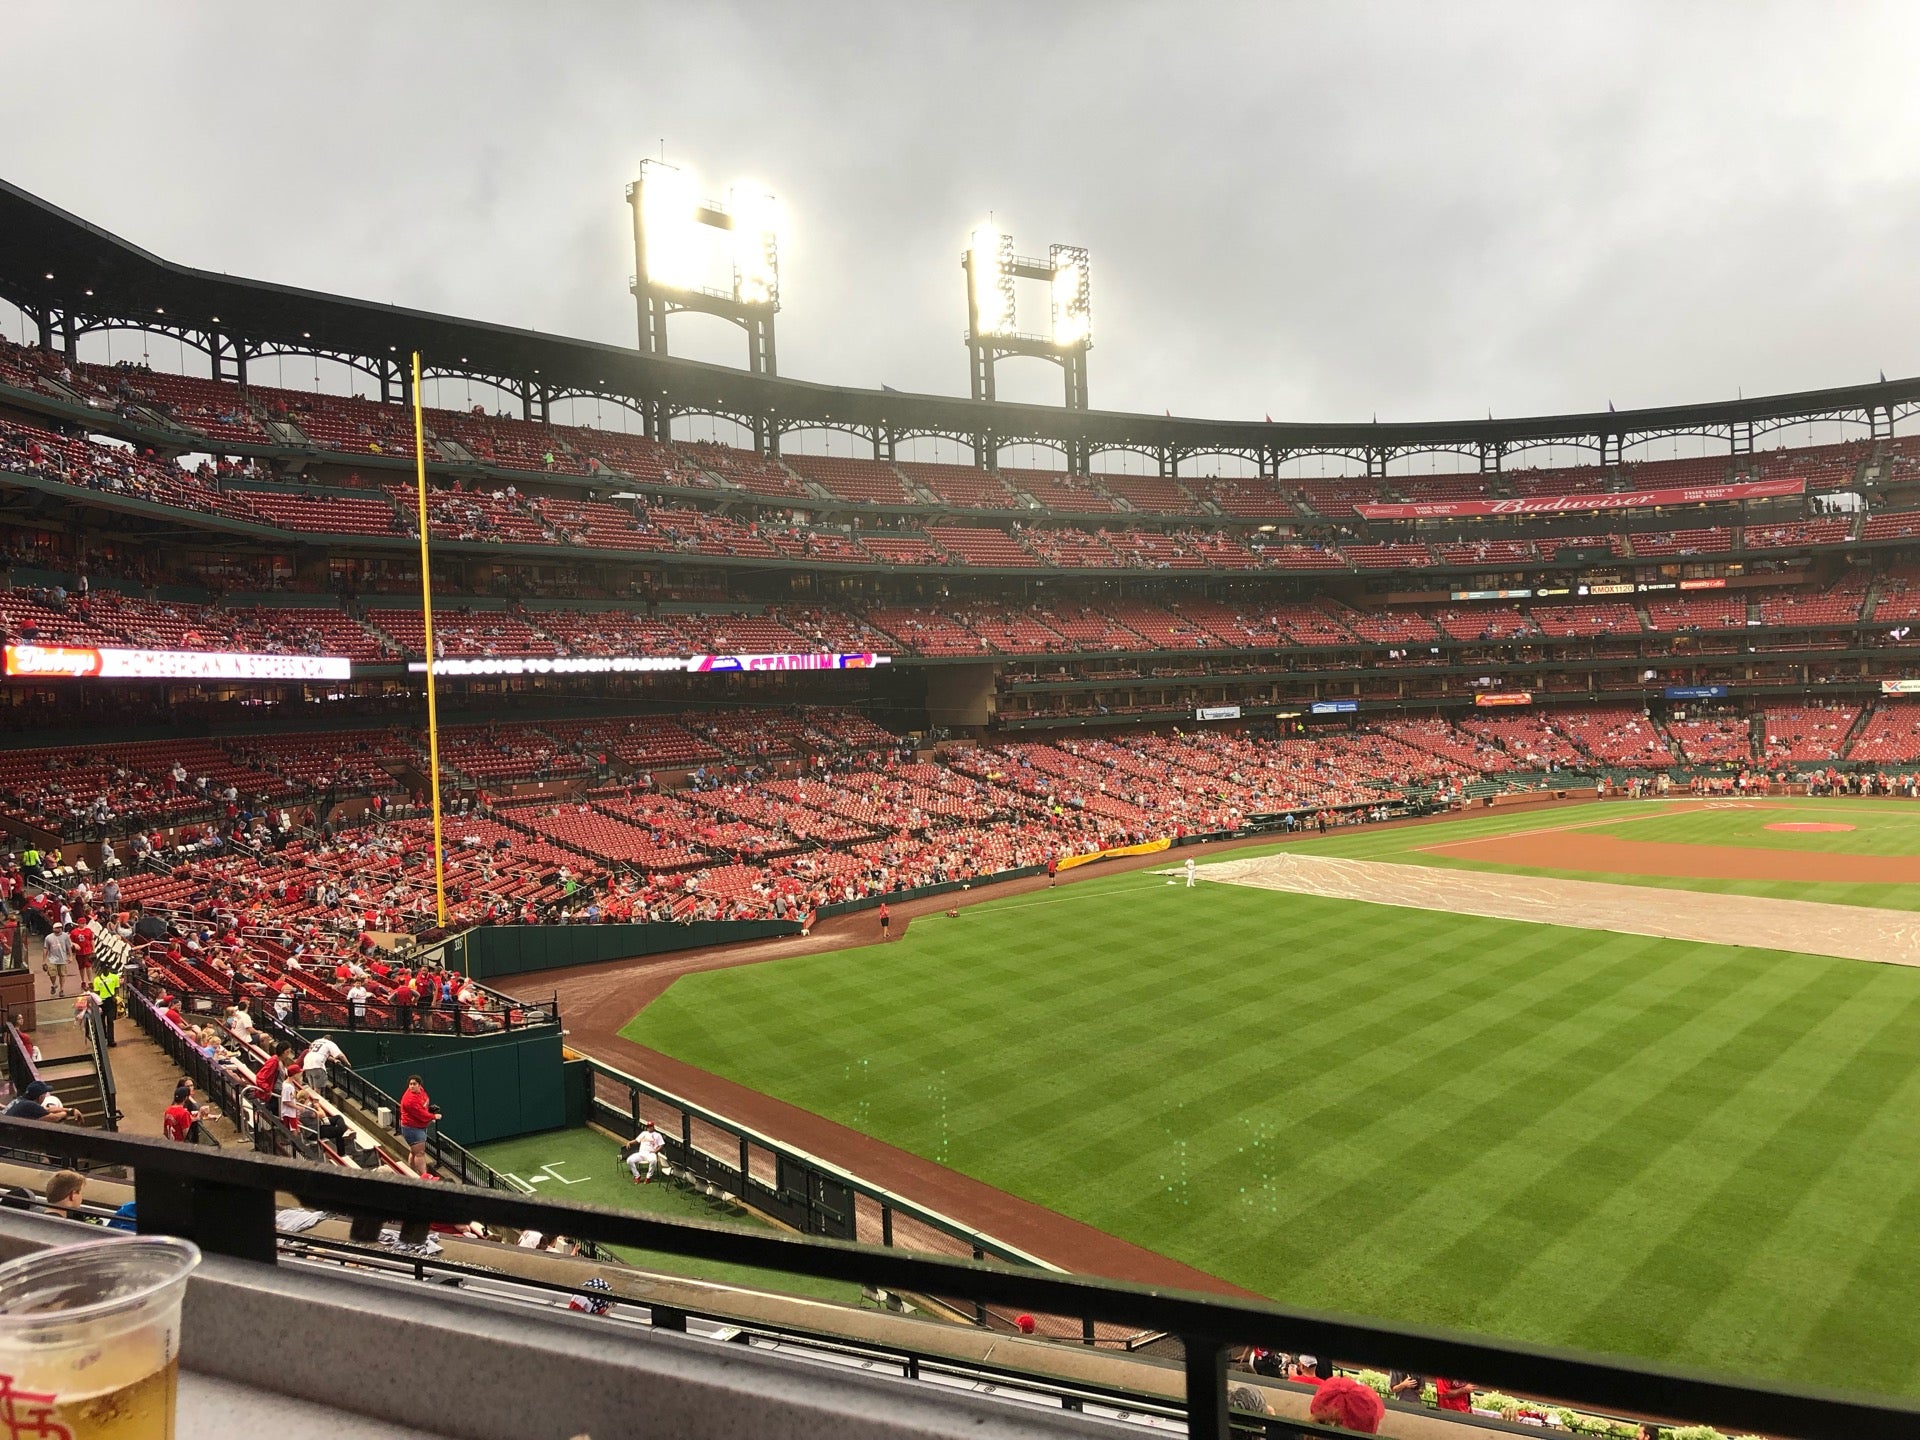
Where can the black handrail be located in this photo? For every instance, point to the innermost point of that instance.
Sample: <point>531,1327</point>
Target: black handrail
<point>21,1071</point>
<point>92,1025</point>
<point>226,1204</point>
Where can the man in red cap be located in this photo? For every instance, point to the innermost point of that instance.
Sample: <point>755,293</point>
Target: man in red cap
<point>1345,1402</point>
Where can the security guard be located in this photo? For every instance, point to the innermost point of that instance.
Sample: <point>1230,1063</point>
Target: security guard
<point>106,989</point>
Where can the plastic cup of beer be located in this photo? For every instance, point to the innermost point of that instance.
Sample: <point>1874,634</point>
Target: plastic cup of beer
<point>90,1339</point>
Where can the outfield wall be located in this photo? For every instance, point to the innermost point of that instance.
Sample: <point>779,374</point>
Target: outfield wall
<point>492,951</point>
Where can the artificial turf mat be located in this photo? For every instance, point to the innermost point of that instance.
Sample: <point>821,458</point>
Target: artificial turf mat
<point>1685,1152</point>
<point>584,1166</point>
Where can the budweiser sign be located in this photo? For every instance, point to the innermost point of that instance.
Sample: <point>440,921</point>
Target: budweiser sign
<point>1562,504</point>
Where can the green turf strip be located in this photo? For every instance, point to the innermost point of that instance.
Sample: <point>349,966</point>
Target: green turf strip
<point>1679,1151</point>
<point>584,1166</point>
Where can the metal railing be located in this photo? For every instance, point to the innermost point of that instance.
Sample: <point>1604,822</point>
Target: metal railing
<point>232,1093</point>
<point>93,1026</point>
<point>226,1203</point>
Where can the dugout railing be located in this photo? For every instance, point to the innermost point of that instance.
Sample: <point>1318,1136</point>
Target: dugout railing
<point>226,1202</point>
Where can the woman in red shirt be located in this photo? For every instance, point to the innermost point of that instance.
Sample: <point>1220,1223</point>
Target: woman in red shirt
<point>417,1114</point>
<point>1452,1394</point>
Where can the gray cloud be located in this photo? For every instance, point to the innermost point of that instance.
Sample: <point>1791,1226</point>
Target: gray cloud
<point>1311,211</point>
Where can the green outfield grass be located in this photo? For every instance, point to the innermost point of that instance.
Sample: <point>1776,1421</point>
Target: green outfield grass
<point>584,1166</point>
<point>1683,1152</point>
<point>1884,827</point>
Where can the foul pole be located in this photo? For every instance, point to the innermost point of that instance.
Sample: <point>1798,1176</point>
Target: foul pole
<point>426,616</point>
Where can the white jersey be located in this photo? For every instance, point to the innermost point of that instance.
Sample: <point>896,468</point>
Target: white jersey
<point>651,1143</point>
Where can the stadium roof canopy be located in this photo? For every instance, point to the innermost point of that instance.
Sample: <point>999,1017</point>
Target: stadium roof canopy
<point>54,263</point>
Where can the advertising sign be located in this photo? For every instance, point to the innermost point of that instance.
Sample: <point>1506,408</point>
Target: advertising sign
<point>647,664</point>
<point>1563,504</point>
<point>1695,692</point>
<point>110,662</point>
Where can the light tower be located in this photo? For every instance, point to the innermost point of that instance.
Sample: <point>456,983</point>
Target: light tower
<point>993,333</point>
<point>731,268</point>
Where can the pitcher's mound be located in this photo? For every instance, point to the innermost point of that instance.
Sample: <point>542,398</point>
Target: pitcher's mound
<point>1808,825</point>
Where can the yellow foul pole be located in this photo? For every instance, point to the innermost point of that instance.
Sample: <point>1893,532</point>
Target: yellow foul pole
<point>426,615</point>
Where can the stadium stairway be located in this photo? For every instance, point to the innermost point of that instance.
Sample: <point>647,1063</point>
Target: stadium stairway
<point>1666,736</point>
<point>1870,601</point>
<point>1854,732</point>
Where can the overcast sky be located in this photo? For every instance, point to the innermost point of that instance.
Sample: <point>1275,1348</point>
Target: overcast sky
<point>1311,211</point>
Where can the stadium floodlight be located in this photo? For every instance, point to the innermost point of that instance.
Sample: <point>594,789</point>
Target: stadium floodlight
<point>1072,312</point>
<point>990,270</point>
<point>667,211</point>
<point>993,271</point>
<point>707,256</point>
<point>756,244</point>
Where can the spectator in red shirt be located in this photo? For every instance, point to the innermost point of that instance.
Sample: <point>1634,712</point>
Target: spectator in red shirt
<point>83,943</point>
<point>1347,1404</point>
<point>417,1114</point>
<point>268,1076</point>
<point>1453,1394</point>
<point>177,1123</point>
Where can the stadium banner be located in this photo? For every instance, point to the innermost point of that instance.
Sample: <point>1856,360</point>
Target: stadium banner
<point>111,662</point>
<point>1504,697</point>
<point>1695,692</point>
<point>1619,588</point>
<point>1489,594</point>
<point>1900,687</point>
<point>1217,712</point>
<point>1148,847</point>
<point>647,664</point>
<point>1561,504</point>
<point>1711,582</point>
<point>1333,707</point>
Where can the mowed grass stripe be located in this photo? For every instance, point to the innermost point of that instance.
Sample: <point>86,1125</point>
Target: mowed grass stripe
<point>1813,1096</point>
<point>1410,1199</point>
<point>1422,1116</point>
<point>1546,1234</point>
<point>1562,1083</point>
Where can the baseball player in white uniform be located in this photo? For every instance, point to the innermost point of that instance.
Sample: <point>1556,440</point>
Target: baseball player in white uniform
<point>644,1153</point>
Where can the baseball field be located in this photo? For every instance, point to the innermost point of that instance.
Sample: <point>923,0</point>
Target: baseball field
<point>1611,1133</point>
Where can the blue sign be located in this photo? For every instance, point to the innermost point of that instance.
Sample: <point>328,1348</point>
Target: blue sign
<point>1334,707</point>
<point>1695,692</point>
